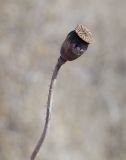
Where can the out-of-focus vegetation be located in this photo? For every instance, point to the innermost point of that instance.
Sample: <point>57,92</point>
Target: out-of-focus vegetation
<point>88,115</point>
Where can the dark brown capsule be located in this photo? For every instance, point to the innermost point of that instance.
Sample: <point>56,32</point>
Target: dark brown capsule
<point>76,43</point>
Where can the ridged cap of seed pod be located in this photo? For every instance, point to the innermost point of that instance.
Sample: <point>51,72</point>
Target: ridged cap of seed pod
<point>84,33</point>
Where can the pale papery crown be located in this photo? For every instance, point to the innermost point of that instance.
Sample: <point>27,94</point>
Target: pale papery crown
<point>84,33</point>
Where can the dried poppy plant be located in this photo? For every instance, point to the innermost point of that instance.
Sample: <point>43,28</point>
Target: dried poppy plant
<point>75,44</point>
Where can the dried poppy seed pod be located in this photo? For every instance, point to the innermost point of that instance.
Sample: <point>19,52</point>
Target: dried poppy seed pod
<point>76,43</point>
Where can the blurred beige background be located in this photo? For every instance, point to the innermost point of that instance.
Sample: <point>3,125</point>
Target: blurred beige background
<point>89,109</point>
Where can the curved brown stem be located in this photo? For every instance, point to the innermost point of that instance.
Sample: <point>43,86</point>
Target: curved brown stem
<point>49,103</point>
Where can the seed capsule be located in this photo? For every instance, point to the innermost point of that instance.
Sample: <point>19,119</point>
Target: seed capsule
<point>76,43</point>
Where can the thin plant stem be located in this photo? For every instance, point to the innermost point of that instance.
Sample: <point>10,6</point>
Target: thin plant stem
<point>49,105</point>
